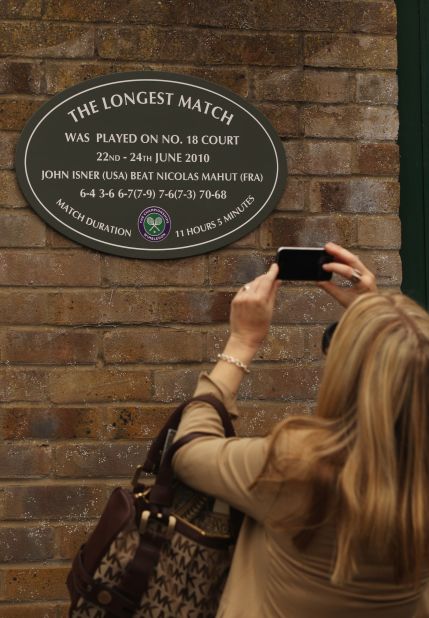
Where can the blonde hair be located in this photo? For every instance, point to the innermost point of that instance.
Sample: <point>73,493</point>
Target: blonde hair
<point>367,452</point>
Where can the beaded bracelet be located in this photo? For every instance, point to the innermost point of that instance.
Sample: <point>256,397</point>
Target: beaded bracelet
<point>234,361</point>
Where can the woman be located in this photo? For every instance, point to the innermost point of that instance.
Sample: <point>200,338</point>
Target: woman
<point>337,504</point>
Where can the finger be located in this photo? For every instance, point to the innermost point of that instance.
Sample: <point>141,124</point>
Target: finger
<point>342,295</point>
<point>340,269</point>
<point>265,282</point>
<point>361,282</point>
<point>273,271</point>
<point>273,293</point>
<point>345,256</point>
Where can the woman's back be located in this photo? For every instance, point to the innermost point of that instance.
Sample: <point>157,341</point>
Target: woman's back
<point>270,576</point>
<point>337,502</point>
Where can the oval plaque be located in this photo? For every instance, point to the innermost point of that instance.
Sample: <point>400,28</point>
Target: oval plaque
<point>151,165</point>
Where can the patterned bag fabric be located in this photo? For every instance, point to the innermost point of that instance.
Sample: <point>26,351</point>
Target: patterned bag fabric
<point>160,550</point>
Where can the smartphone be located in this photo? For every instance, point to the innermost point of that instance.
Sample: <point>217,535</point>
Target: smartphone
<point>303,263</point>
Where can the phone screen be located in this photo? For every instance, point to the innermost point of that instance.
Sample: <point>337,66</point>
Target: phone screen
<point>303,264</point>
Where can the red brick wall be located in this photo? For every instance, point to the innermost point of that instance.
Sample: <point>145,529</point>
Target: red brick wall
<point>95,348</point>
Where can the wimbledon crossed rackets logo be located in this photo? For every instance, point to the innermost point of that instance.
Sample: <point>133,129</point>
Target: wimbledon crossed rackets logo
<point>154,224</point>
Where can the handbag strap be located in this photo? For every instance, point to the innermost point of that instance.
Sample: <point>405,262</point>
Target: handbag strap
<point>153,458</point>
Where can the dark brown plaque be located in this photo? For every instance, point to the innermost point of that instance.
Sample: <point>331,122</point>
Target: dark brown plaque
<point>151,165</point>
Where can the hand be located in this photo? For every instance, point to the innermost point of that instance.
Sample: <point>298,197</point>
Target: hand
<point>252,309</point>
<point>350,267</point>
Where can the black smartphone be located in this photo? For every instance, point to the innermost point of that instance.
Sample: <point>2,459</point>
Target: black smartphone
<point>303,264</point>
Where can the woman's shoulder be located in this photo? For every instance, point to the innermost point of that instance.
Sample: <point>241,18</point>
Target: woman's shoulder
<point>294,468</point>
<point>294,451</point>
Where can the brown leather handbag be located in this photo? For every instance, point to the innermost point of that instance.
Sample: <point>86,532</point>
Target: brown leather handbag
<point>161,549</point>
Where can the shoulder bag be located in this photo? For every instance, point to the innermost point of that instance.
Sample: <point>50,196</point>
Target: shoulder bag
<point>160,549</point>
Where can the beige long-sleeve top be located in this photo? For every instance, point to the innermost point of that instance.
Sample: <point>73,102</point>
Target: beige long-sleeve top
<point>269,576</point>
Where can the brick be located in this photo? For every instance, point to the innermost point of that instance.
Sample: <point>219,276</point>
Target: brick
<point>150,11</point>
<point>287,15</point>
<point>58,241</point>
<point>21,9</point>
<point>8,141</point>
<point>376,17</point>
<point>80,268</point>
<point>175,384</point>
<point>297,84</point>
<point>10,193</point>
<point>29,544</point>
<point>331,15</point>
<point>282,383</point>
<point>295,195</point>
<point>22,307</point>
<point>350,51</point>
<point>236,80</point>
<point>197,307</point>
<point>47,40</point>
<point>20,77</point>
<point>250,241</point>
<point>74,385</point>
<point>52,502</point>
<point>235,14</point>
<point>24,460</point>
<point>377,88</point>
<point>22,384</point>
<point>53,347</point>
<point>378,159</point>
<point>328,86</point>
<point>15,112</point>
<point>63,610</point>
<point>319,158</point>
<point>313,348</point>
<point>258,418</point>
<point>308,232</point>
<point>63,74</point>
<point>69,538</point>
<point>23,610</point>
<point>379,232</point>
<point>98,460</point>
<point>284,118</point>
<point>198,46</point>
<point>284,343</point>
<point>137,306</point>
<point>34,584</point>
<point>22,230</point>
<point>279,84</point>
<point>150,345</point>
<point>87,307</point>
<point>357,122</point>
<point>386,265</point>
<point>308,305</point>
<point>73,307</point>
<point>51,423</point>
<point>360,195</point>
<point>77,307</point>
<point>137,423</point>
<point>120,272</point>
<point>231,268</point>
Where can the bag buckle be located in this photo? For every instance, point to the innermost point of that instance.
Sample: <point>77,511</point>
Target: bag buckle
<point>137,474</point>
<point>144,521</point>
<point>136,480</point>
